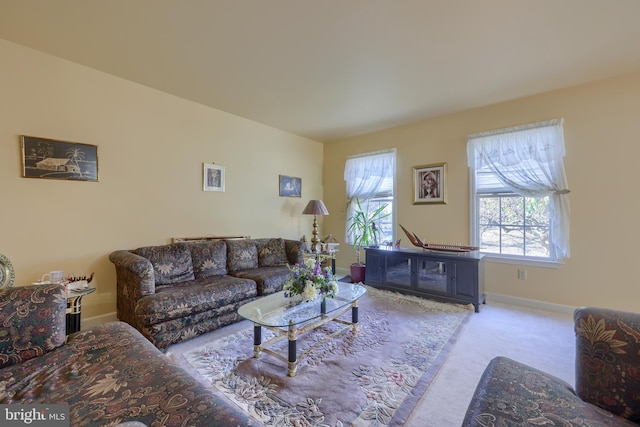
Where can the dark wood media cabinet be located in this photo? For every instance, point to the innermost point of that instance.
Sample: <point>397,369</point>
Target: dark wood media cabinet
<point>447,276</point>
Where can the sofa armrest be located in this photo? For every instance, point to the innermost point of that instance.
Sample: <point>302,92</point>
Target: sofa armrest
<point>134,273</point>
<point>135,279</point>
<point>608,360</point>
<point>33,320</point>
<point>295,251</point>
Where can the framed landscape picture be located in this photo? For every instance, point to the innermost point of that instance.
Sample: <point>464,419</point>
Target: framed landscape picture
<point>53,159</point>
<point>213,177</point>
<point>290,186</point>
<point>429,184</point>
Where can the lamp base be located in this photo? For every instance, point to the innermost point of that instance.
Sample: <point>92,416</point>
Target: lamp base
<point>315,241</point>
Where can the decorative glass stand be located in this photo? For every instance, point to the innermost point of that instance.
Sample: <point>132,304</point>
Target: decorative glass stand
<point>277,313</point>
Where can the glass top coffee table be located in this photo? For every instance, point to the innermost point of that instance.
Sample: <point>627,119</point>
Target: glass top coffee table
<point>290,317</point>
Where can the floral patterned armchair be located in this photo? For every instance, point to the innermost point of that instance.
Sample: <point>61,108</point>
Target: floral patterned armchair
<point>607,391</point>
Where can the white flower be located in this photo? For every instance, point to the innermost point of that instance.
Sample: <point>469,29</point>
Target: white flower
<point>310,293</point>
<point>334,286</point>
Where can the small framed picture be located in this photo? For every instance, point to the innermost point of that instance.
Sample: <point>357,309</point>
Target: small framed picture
<point>213,177</point>
<point>290,186</point>
<point>53,159</point>
<point>429,184</point>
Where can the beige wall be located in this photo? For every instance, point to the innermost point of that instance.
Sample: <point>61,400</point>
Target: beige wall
<point>151,147</point>
<point>601,137</point>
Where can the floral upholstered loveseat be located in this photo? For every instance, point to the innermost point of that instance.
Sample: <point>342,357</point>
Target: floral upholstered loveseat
<point>106,375</point>
<point>174,292</point>
<point>607,389</point>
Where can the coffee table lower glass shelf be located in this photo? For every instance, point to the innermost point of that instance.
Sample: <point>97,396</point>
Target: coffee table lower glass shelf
<point>290,318</point>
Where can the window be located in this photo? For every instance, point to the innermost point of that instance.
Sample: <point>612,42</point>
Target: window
<point>509,224</point>
<point>385,223</point>
<point>519,192</point>
<point>370,178</point>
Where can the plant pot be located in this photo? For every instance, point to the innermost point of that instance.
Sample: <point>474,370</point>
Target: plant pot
<point>357,273</point>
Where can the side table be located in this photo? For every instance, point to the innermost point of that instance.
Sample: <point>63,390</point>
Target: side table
<point>74,309</point>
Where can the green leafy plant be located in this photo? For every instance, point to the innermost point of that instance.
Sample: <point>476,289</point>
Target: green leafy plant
<point>363,227</point>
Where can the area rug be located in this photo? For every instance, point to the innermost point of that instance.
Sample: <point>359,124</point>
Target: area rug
<point>374,377</point>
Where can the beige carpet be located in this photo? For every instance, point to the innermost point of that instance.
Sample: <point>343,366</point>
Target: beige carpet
<point>372,378</point>
<point>542,339</point>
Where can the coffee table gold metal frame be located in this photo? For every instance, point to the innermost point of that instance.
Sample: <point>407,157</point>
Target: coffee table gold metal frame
<point>290,317</point>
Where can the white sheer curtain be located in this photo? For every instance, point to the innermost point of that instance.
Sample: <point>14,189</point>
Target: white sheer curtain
<point>368,175</point>
<point>527,160</point>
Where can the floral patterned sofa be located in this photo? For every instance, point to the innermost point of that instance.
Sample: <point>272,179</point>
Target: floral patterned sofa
<point>107,375</point>
<point>174,292</point>
<point>607,380</point>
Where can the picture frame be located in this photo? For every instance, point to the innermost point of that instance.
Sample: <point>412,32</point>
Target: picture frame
<point>55,159</point>
<point>290,186</point>
<point>7,275</point>
<point>213,178</point>
<point>430,184</point>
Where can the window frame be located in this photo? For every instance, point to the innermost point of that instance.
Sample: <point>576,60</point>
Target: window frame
<point>474,203</point>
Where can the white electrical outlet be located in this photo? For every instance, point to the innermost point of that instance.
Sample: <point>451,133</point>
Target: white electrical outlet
<point>522,274</point>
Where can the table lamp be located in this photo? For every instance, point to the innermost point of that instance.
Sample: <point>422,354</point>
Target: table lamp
<point>315,207</point>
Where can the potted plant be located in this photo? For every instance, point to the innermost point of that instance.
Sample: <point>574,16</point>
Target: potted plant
<point>364,229</point>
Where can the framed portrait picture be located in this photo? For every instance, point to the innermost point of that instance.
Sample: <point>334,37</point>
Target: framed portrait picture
<point>213,177</point>
<point>53,159</point>
<point>290,186</point>
<point>429,184</point>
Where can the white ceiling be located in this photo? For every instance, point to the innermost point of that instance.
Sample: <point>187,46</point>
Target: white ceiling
<point>328,69</point>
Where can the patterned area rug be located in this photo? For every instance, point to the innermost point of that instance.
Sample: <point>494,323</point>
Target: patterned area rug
<point>372,378</point>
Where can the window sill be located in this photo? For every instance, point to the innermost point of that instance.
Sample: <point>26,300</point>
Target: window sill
<point>522,261</point>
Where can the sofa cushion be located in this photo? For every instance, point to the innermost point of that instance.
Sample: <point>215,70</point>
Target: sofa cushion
<point>171,263</point>
<point>189,298</point>
<point>241,255</point>
<point>271,252</point>
<point>268,279</point>
<point>33,322</point>
<point>510,393</point>
<point>209,258</point>
<point>295,251</point>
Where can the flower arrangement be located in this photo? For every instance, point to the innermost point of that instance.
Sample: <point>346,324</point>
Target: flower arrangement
<point>311,281</point>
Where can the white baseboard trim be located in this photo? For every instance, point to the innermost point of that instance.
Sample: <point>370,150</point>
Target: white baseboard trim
<point>530,303</point>
<point>90,322</point>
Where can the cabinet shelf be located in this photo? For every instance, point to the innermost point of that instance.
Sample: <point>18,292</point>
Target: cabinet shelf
<point>452,277</point>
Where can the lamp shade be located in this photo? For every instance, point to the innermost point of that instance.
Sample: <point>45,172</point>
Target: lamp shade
<point>315,207</point>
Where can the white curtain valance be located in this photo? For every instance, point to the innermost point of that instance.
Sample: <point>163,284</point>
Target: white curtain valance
<point>541,142</point>
<point>370,175</point>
